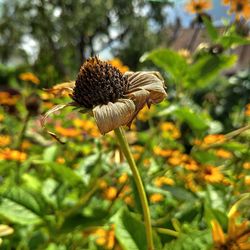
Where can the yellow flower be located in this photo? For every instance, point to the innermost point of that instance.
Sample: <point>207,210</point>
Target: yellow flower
<point>162,152</point>
<point>247,180</point>
<point>241,8</point>
<point>198,6</point>
<point>170,130</point>
<point>29,77</point>
<point>87,126</point>
<point>155,198</point>
<point>60,160</point>
<point>213,139</point>
<point>5,140</point>
<point>8,99</point>
<point>211,174</point>
<point>9,154</point>
<point>237,236</point>
<point>105,238</point>
<point>246,165</point>
<point>145,113</point>
<point>103,184</point>
<point>247,111</point>
<point>110,193</point>
<point>67,132</point>
<point>163,180</point>
<point>113,98</point>
<point>1,117</point>
<point>116,62</point>
<point>137,151</point>
<point>224,154</point>
<point>123,178</point>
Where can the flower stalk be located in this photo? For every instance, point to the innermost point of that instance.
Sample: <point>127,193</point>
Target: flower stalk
<point>138,181</point>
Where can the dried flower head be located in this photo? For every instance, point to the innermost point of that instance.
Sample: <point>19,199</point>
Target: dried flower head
<point>113,98</point>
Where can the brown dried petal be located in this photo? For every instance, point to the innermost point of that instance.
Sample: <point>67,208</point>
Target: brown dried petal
<point>113,115</point>
<point>146,86</point>
<point>62,89</point>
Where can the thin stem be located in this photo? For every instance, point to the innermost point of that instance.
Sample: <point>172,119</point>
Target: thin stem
<point>167,232</point>
<point>138,181</point>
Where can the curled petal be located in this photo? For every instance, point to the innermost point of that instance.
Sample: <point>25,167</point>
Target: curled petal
<point>113,115</point>
<point>62,89</point>
<point>146,86</point>
<point>44,118</point>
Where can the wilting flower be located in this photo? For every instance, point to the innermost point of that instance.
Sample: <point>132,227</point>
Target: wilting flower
<point>237,236</point>
<point>198,6</point>
<point>113,98</point>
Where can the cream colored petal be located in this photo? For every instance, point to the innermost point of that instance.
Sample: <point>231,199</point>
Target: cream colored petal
<point>62,89</point>
<point>146,86</point>
<point>113,115</point>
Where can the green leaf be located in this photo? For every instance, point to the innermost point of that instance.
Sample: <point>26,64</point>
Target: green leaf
<point>49,153</point>
<point>206,68</point>
<point>194,120</point>
<point>227,41</point>
<point>211,30</point>
<point>129,230</point>
<point>196,240</point>
<point>65,174</point>
<point>20,206</point>
<point>170,61</point>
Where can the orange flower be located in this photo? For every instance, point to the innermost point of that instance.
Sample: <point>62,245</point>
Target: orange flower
<point>7,99</point>
<point>237,236</point>
<point>246,165</point>
<point>170,130</point>
<point>105,238</point>
<point>211,174</point>
<point>145,113</point>
<point>67,132</point>
<point>5,140</point>
<point>224,154</point>
<point>123,178</point>
<point>239,8</point>
<point>247,111</point>
<point>9,154</point>
<point>30,77</point>
<point>155,198</point>
<point>110,193</point>
<point>198,6</point>
<point>162,152</point>
<point>215,138</point>
<point>116,62</point>
<point>163,180</point>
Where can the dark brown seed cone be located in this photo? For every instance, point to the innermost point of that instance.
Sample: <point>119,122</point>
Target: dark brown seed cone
<point>97,83</point>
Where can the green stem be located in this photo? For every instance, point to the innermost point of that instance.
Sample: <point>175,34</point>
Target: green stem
<point>168,232</point>
<point>143,198</point>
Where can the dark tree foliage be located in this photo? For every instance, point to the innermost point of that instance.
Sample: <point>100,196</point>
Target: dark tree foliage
<point>66,32</point>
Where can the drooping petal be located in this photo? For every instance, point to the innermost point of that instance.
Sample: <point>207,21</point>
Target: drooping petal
<point>146,87</point>
<point>113,115</point>
<point>62,89</point>
<point>44,118</point>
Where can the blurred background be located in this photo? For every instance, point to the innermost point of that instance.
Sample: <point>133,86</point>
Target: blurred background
<point>192,149</point>
<point>53,38</point>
